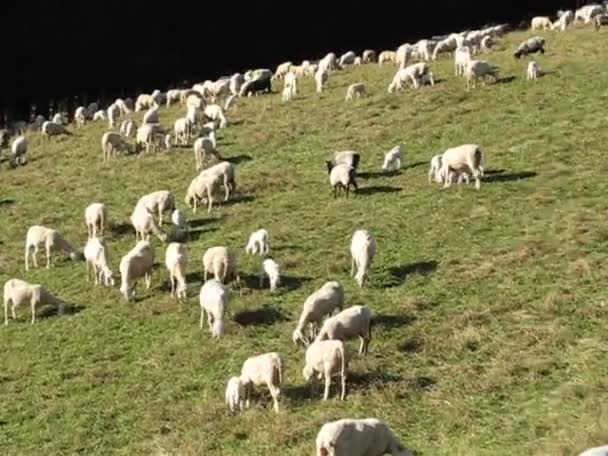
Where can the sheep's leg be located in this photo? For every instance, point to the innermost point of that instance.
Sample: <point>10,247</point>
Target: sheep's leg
<point>227,188</point>
<point>210,320</point>
<point>343,381</point>
<point>274,392</point>
<point>6,312</point>
<point>327,384</point>
<point>361,345</point>
<point>27,254</point>
<point>33,304</point>
<point>13,313</point>
<point>48,256</point>
<point>148,278</point>
<point>172,282</point>
<point>210,195</point>
<point>202,320</point>
<point>352,268</point>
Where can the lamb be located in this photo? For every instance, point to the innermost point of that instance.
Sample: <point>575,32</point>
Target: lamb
<point>179,225</point>
<point>468,157</point>
<point>113,115</point>
<point>182,130</point>
<point>362,250</point>
<point>387,56</point>
<point>266,369</point>
<point>53,129</point>
<point>534,70</point>
<point>258,243</point>
<point>176,260</point>
<point>144,224</point>
<point>221,262</point>
<point>600,21</point>
<point>530,46</point>
<point>270,269</point>
<point>348,58</point>
<point>462,56</point>
<point>111,143</point>
<point>96,257</point>
<point>597,451</point>
<point>322,302</point>
<point>128,128</point>
<point>358,437</point>
<point>540,23</point>
<point>325,359</point>
<point>476,69</point>
<point>202,188</point>
<point>38,235</point>
<point>95,216</point>
<point>214,299</point>
<point>392,160</point>
<point>235,394</point>
<point>18,151</point>
<point>80,117</point>
<point>215,112</point>
<point>341,177</point>
<point>161,201</point>
<point>18,292</point>
<point>351,322</point>
<point>435,168</point>
<point>368,56</point>
<point>151,116</point>
<point>137,263</point>
<point>355,90</point>
<point>321,77</point>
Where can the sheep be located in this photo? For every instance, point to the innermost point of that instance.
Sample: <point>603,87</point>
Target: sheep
<point>392,160</point>
<point>324,301</point>
<point>137,263</point>
<point>600,21</point>
<point>358,437</point>
<point>95,216</point>
<point>176,261</point>
<point>287,95</point>
<point>425,49</point>
<point>291,82</point>
<point>219,88</point>
<point>128,128</point>
<point>321,77</point>
<point>151,116</point>
<point>329,62</point>
<point>597,451</point>
<point>180,229</point>
<point>113,115</point>
<point>413,73</point>
<point>351,322</point>
<point>468,157</point>
<point>270,269</point>
<point>182,130</point>
<point>487,43</point>
<point>173,96</point>
<point>540,23</point>
<point>533,71</point>
<point>447,45</point>
<point>476,69</point>
<point>99,116</point>
<point>53,129</point>
<point>310,70</point>
<point>91,110</point>
<point>346,157</point>
<point>362,250</point>
<point>355,90</point>
<point>144,224</point>
<point>348,58</point>
<point>96,255</point>
<point>325,359</point>
<point>80,117</point>
<point>230,102</point>
<point>530,46</point>
<point>143,101</point>
<point>266,369</point>
<point>435,168</point>
<point>368,56</point>
<point>18,292</point>
<point>404,55</point>
<point>235,394</point>
<point>221,262</point>
<point>215,112</point>
<point>38,235</point>
<point>341,177</point>
<point>262,82</point>
<point>203,146</point>
<point>282,70</point>
<point>462,56</point>
<point>258,243</point>
<point>147,136</point>
<point>226,172</point>
<point>122,106</point>
<point>565,19</point>
<point>588,12</point>
<point>214,299</point>
<point>202,188</point>
<point>111,143</point>
<point>18,151</point>
<point>161,201</point>
<point>194,100</point>
<point>236,81</point>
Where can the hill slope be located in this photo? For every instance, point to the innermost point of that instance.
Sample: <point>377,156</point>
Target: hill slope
<point>491,335</point>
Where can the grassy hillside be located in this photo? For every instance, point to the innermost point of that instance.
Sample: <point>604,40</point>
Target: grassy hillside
<point>491,335</point>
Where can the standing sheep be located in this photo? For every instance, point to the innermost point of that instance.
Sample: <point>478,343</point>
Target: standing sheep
<point>356,90</point>
<point>53,129</point>
<point>322,302</point>
<point>18,292</point>
<point>540,23</point>
<point>221,262</point>
<point>533,71</point>
<point>137,263</point>
<point>258,243</point>
<point>144,224</point>
<point>179,225</point>
<point>476,69</point>
<point>352,322</point>
<point>266,369</point>
<point>341,177</point>
<point>176,261</point>
<point>392,160</point>
<point>321,77</point>
<point>40,235</point>
<point>465,158</point>
<point>362,250</point>
<point>95,215</point>
<point>111,143</point>
<point>214,299</point>
<point>325,359</point>
<point>96,255</point>
<point>161,201</point>
<point>235,394</point>
<point>270,269</point>
<point>18,151</point>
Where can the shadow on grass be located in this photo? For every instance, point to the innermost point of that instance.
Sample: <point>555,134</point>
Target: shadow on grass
<point>7,202</point>
<point>363,380</point>
<point>501,176</point>
<point>400,274</point>
<point>195,235</point>
<point>410,346</point>
<point>506,80</point>
<point>416,165</point>
<point>375,174</point>
<point>421,382</point>
<point>393,321</point>
<point>51,311</point>
<point>291,283</point>
<point>238,199</point>
<point>121,229</point>
<point>238,159</point>
<point>379,189</point>
<point>266,316</point>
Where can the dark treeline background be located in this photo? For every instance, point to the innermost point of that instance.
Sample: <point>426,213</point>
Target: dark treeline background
<point>87,50</point>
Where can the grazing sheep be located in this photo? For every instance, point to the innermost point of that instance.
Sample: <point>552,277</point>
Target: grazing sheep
<point>462,56</point>
<point>144,224</point>
<point>123,106</point>
<point>202,188</point>
<point>530,46</point>
<point>404,55</point>
<point>143,101</point>
<point>80,117</point>
<point>111,143</point>
<point>235,394</point>
<point>270,269</point>
<point>99,116</point>
<point>194,100</point>
<point>322,302</point>
<point>356,90</point>
<point>358,61</point>
<point>40,235</point>
<point>180,228</point>
<point>262,83</point>
<point>149,135</point>
<point>18,151</point>
<point>487,42</point>
<point>468,157</point>
<point>221,262</point>
<point>477,69</point>
<point>362,250</point>
<point>597,451</point>
<point>176,261</point>
<point>588,12</point>
<point>128,128</point>
<point>413,73</point>
<point>566,18</point>
<point>358,437</point>
<point>341,177</point>
<point>258,243</point>
<point>352,322</point>
<point>325,359</point>
<point>230,102</point>
<point>113,115</point>
<point>173,96</point>
<point>151,116</point>
<point>392,160</point>
<point>540,23</point>
<point>534,70</point>
<point>425,50</point>
<point>447,45</point>
<point>203,146</point>
<point>96,255</point>
<point>214,300</point>
<point>387,56</point>
<point>321,77</point>
<point>348,58</point>
<point>182,130</point>
<point>214,113</point>
<point>282,70</point>
<point>236,81</point>
<point>225,171</point>
<point>266,369</point>
<point>600,21</point>
<point>95,216</point>
<point>160,202</point>
<point>137,263</point>
<point>18,292</point>
<point>53,129</point>
<point>368,56</point>
<point>435,168</point>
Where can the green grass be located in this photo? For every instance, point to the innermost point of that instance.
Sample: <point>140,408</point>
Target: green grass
<point>492,336</point>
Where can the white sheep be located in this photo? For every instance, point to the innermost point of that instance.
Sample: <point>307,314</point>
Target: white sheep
<point>18,151</point>
<point>113,115</point>
<point>230,102</point>
<point>348,58</point>
<point>322,302</point>
<point>413,73</point>
<point>144,224</point>
<point>18,292</point>
<point>487,42</point>
<point>270,269</point>
<point>425,49</point>
<point>236,81</point>
<point>362,250</point>
<point>182,131</point>
<point>220,262</point>
<point>356,90</point>
<point>111,144</point>
<point>258,243</point>
<point>404,55</point>
<point>176,261</point>
<point>434,169</point>
<point>151,116</point>
<point>225,171</point>
<point>202,188</point>
<point>321,76</point>
<point>137,263</point>
<point>148,135</point>
<point>99,116</point>
<point>368,56</point>
<point>143,101</point>
<point>80,116</point>
<point>266,369</point>
<point>287,95</point>
<point>96,255</point>
<point>342,177</point>
<point>214,300</point>
<point>392,160</point>
<point>58,118</point>
<point>95,216</point>
<point>53,129</point>
<point>352,322</point>
<point>128,128</point>
<point>235,394</point>
<point>37,236</point>
<point>282,70</point>
<point>468,157</point>
<point>540,23</point>
<point>179,223</point>
<point>215,112</point>
<point>597,451</point>
<point>566,18</point>
<point>173,96</point>
<point>325,359</point>
<point>358,437</point>
<point>358,61</point>
<point>462,56</point>
<point>160,202</point>
<point>530,46</point>
<point>477,69</point>
<point>447,45</point>
<point>533,71</point>
<point>387,56</point>
<point>123,105</point>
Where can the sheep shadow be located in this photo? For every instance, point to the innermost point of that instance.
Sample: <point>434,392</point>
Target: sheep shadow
<point>393,321</point>
<point>238,199</point>
<point>363,380</point>
<point>501,176</point>
<point>416,165</point>
<point>299,393</point>
<point>265,316</point>
<point>201,222</point>
<point>410,346</point>
<point>400,274</point>
<point>121,229</point>
<point>375,174</point>
<point>506,80</point>
<point>379,189</point>
<point>291,283</point>
<point>51,311</point>
<point>238,159</point>
<point>7,202</point>
<point>421,383</point>
<point>195,235</point>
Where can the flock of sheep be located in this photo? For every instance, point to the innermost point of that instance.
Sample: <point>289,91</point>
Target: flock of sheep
<point>324,324</point>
